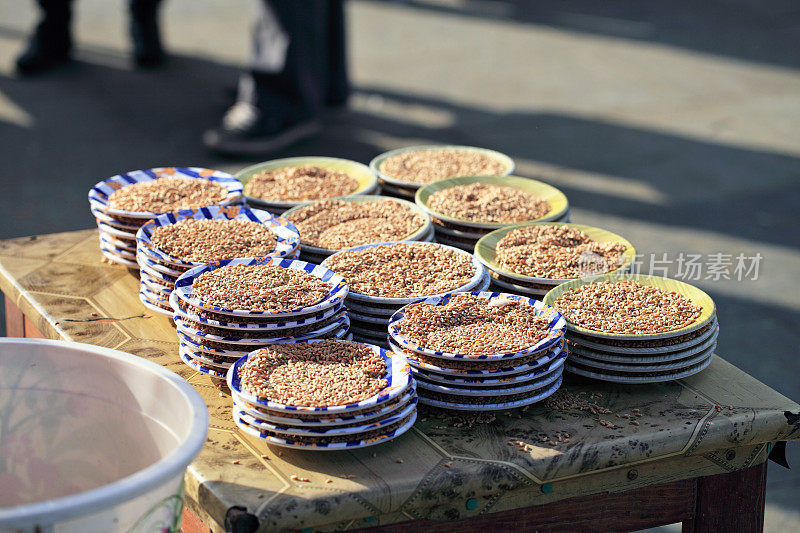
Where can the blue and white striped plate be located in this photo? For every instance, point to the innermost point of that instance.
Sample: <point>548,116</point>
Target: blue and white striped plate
<point>398,376</point>
<point>98,195</point>
<point>162,291</point>
<point>116,242</point>
<point>352,445</point>
<point>556,328</point>
<point>154,274</point>
<point>150,264</point>
<point>476,280</point>
<point>130,236</point>
<point>196,365</point>
<point>476,407</point>
<point>113,222</point>
<point>183,287</point>
<point>498,394</point>
<point>119,260</point>
<point>199,336</point>
<point>517,379</point>
<point>285,418</point>
<point>546,358</point>
<point>322,430</point>
<point>147,301</point>
<point>286,234</point>
<point>188,313</point>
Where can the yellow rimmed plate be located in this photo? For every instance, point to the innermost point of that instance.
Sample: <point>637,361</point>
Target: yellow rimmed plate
<point>419,235</point>
<point>691,292</point>
<point>376,163</point>
<point>557,200</point>
<point>367,182</point>
<point>486,249</point>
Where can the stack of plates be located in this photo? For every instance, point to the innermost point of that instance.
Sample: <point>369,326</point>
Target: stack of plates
<point>316,254</point>
<point>508,281</point>
<point>367,183</point>
<point>118,228</point>
<point>643,358</point>
<point>212,338</point>
<point>406,189</point>
<point>377,419</point>
<point>158,271</point>
<point>370,315</point>
<point>485,382</point>
<point>465,234</point>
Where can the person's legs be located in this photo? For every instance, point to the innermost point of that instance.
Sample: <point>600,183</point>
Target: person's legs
<point>147,49</point>
<point>286,87</point>
<point>50,44</point>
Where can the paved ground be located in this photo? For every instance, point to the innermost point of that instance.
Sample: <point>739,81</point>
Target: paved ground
<point>672,122</point>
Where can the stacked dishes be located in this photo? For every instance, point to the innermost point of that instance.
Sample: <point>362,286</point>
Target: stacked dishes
<point>384,277</point>
<point>281,184</point>
<point>402,172</point>
<point>323,395</point>
<point>172,244</point>
<point>465,209</point>
<point>328,226</point>
<point>227,309</point>
<point>532,258</point>
<point>629,328</point>
<point>481,351</point>
<point>124,203</point>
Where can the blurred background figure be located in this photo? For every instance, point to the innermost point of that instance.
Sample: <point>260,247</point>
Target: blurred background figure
<point>51,43</point>
<point>296,72</point>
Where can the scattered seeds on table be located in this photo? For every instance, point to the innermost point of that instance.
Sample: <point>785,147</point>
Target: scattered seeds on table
<point>298,184</point>
<point>483,202</point>
<point>324,373</point>
<point>626,307</point>
<point>403,270</point>
<point>206,241</point>
<point>427,166</point>
<point>259,288</point>
<point>556,252</point>
<point>166,195</point>
<point>336,224</point>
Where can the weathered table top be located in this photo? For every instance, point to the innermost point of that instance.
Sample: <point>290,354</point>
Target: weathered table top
<point>447,471</point>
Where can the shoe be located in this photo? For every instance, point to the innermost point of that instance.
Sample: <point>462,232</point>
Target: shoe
<point>40,57</point>
<point>246,131</point>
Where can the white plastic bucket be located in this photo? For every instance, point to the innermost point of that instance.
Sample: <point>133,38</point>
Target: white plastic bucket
<point>92,439</point>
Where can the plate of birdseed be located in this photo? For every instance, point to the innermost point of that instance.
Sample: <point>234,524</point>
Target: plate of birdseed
<point>407,169</point>
<point>283,183</point>
<point>152,302</point>
<point>287,335</point>
<point>496,392</point>
<point>193,237</point>
<point>477,325</point>
<point>646,348</point>
<point>646,357</point>
<point>319,376</point>
<point>332,443</point>
<point>261,287</point>
<point>484,403</point>
<point>638,378</point>
<point>490,202</point>
<point>409,397</point>
<point>551,253</point>
<point>631,307</point>
<point>639,367</point>
<point>394,274</point>
<point>152,264</point>
<point>327,226</point>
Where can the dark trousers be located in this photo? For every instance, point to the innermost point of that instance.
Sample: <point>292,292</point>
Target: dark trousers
<point>313,72</point>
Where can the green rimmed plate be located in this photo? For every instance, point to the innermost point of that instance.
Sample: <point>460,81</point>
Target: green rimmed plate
<point>557,200</point>
<point>419,235</point>
<point>376,163</point>
<point>486,248</point>
<point>367,182</point>
<point>691,292</point>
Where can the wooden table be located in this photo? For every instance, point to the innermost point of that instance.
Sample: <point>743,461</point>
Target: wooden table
<point>698,454</point>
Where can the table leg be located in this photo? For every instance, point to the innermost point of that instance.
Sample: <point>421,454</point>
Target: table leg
<point>15,320</point>
<point>730,502</point>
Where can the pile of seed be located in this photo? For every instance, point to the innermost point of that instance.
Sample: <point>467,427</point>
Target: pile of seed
<point>335,224</point>
<point>483,202</point>
<point>205,241</point>
<point>403,270</point>
<point>474,326</point>
<point>427,166</point>
<point>298,184</point>
<point>324,373</point>
<point>166,195</point>
<point>259,288</point>
<point>626,307</point>
<point>556,252</point>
